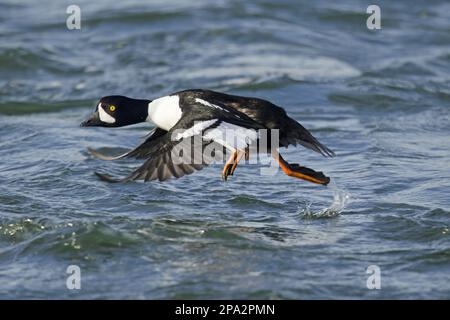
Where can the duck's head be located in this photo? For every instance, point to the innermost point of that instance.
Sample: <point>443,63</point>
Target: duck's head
<point>117,111</point>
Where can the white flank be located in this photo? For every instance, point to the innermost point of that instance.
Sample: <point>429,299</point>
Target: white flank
<point>105,117</point>
<point>232,136</point>
<point>197,128</point>
<point>164,112</point>
<point>206,103</point>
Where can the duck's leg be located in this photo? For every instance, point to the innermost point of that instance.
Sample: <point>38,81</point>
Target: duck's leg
<point>239,156</point>
<point>228,165</point>
<point>297,171</point>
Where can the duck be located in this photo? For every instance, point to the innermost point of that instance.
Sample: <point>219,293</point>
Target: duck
<point>191,121</point>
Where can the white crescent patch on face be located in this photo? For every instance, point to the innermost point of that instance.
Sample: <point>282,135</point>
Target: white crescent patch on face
<point>104,117</point>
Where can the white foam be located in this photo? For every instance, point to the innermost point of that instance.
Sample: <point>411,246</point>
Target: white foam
<point>340,200</point>
<point>247,67</point>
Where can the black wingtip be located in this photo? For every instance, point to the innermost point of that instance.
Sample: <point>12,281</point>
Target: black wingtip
<point>106,178</point>
<point>102,156</point>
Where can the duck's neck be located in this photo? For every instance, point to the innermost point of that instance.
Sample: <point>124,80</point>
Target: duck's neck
<point>139,110</point>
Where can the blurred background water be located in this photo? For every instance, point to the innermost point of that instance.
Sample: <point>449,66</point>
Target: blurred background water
<point>379,99</point>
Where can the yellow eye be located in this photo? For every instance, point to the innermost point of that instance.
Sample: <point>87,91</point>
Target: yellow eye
<point>112,108</point>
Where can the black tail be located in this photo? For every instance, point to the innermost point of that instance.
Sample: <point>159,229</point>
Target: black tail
<point>295,134</point>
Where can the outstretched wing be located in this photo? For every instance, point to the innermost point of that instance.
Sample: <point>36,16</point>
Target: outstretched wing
<point>173,159</point>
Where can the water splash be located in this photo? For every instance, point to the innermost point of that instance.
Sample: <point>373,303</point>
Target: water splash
<point>340,199</point>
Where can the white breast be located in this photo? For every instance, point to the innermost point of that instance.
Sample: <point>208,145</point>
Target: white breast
<point>164,112</point>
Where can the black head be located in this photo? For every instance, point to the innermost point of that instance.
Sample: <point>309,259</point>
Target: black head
<point>117,111</point>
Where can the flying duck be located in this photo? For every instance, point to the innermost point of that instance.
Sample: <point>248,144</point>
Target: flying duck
<point>206,117</point>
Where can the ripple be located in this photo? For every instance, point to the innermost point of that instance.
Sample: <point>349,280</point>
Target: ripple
<point>250,201</point>
<point>27,61</point>
<point>273,65</point>
<point>18,108</point>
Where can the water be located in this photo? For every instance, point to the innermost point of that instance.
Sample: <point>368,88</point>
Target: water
<point>379,99</point>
